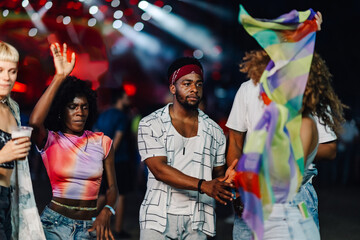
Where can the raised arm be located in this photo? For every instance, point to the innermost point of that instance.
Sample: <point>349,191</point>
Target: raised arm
<point>173,177</point>
<point>63,69</point>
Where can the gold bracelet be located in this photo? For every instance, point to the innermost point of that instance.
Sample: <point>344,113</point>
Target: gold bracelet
<point>74,207</point>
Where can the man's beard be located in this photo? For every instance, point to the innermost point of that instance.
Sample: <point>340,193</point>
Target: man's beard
<point>185,104</point>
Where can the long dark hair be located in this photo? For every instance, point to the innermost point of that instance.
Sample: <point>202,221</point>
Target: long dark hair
<point>320,98</point>
<point>72,87</point>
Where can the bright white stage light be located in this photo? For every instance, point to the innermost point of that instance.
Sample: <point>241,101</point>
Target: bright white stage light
<point>33,32</point>
<point>167,8</point>
<point>66,20</point>
<point>138,26</point>
<point>35,16</point>
<point>118,14</point>
<point>93,10</point>
<point>196,36</point>
<point>141,40</point>
<point>48,5</point>
<point>115,3</point>
<point>117,24</point>
<point>145,16</point>
<point>198,54</point>
<point>92,22</point>
<point>143,5</point>
<point>25,3</point>
<point>5,13</point>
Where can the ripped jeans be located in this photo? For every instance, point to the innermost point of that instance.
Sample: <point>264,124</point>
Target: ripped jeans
<point>58,227</point>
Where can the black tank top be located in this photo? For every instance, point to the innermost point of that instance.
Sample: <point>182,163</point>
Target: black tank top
<point>4,138</point>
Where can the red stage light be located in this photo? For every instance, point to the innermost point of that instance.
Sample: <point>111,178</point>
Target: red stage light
<point>216,75</point>
<point>103,8</point>
<point>19,87</point>
<point>134,2</point>
<point>159,3</point>
<point>130,89</point>
<point>70,5</point>
<point>77,5</point>
<point>128,12</point>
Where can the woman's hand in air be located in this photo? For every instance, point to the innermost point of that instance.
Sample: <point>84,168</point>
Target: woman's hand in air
<point>319,20</point>
<point>62,65</point>
<point>102,225</point>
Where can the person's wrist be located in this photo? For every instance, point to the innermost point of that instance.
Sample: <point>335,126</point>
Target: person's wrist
<point>199,185</point>
<point>110,209</point>
<point>59,76</point>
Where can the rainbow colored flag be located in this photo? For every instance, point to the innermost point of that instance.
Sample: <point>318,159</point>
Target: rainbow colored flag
<point>271,168</point>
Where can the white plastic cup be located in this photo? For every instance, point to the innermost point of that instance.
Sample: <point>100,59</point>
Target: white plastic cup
<point>21,131</point>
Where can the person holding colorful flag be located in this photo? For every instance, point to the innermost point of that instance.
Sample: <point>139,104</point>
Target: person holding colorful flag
<point>272,167</point>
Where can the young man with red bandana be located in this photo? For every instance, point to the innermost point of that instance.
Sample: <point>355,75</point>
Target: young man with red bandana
<point>185,152</point>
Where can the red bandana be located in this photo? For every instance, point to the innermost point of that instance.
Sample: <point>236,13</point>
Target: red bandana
<point>184,70</point>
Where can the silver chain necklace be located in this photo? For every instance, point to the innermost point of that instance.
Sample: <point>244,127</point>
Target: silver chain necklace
<point>3,100</point>
<point>184,142</point>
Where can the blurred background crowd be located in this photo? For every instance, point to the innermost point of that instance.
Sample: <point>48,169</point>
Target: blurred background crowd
<point>130,43</point>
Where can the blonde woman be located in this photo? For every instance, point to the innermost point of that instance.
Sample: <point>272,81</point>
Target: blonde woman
<point>14,222</point>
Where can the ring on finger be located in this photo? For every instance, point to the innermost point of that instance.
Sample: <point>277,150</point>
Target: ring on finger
<point>16,142</point>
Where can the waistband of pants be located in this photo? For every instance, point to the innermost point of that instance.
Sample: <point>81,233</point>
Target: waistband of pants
<point>57,217</point>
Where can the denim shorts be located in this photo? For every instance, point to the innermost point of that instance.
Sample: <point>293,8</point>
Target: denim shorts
<point>5,213</point>
<point>57,226</point>
<point>177,227</point>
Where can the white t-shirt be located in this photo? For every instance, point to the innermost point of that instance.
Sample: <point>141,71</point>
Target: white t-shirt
<point>248,107</point>
<point>180,198</point>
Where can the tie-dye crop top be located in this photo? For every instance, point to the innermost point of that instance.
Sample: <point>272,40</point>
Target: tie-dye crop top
<point>74,164</point>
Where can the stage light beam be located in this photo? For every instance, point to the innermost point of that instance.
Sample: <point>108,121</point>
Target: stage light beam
<point>194,35</point>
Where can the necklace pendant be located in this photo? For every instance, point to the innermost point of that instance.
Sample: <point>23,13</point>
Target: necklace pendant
<point>184,151</point>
